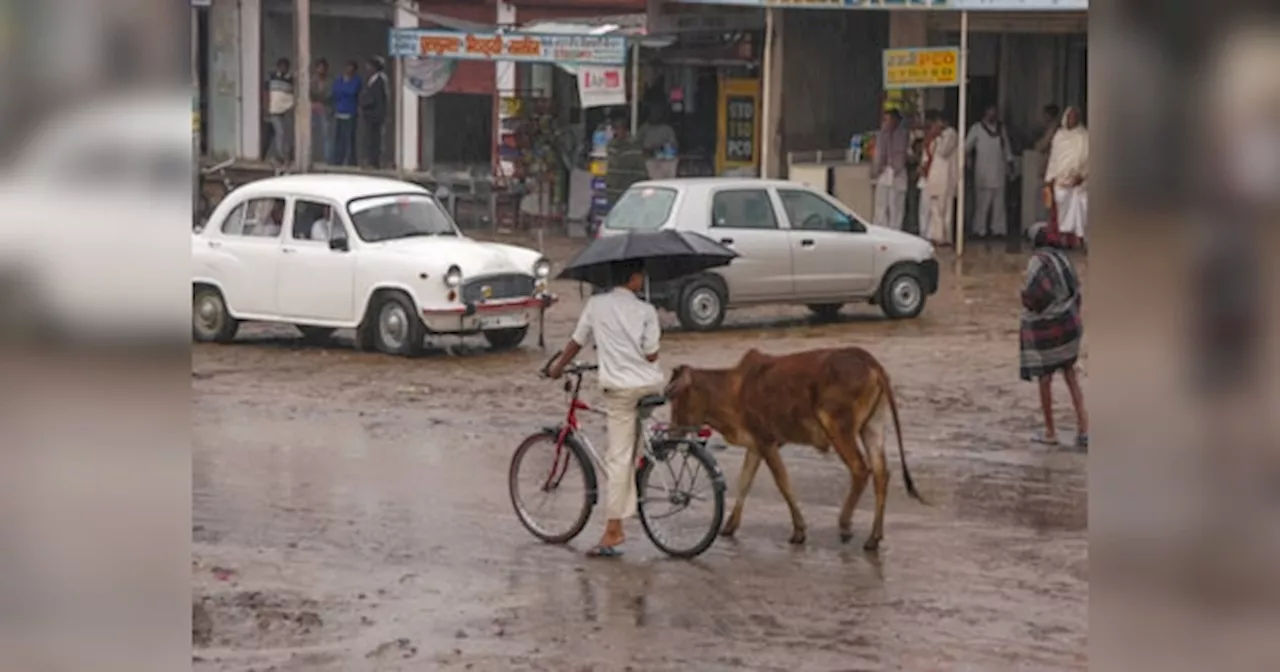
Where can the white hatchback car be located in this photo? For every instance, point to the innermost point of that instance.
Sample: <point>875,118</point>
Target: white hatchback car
<point>795,244</point>
<point>328,251</point>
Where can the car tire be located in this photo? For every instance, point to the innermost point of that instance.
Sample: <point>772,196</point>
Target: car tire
<point>315,334</point>
<point>902,293</point>
<point>396,328</point>
<point>506,339</point>
<point>825,312</point>
<point>211,322</point>
<point>702,305</point>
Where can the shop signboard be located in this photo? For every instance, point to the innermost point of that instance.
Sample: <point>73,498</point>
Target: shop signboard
<point>426,77</point>
<point>601,86</point>
<point>738,124</point>
<point>921,68</point>
<point>518,47</point>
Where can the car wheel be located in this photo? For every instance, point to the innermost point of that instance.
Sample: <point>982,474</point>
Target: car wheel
<point>396,328</point>
<point>827,312</point>
<point>210,320</point>
<point>902,293</point>
<point>702,305</point>
<point>506,339</point>
<point>315,334</point>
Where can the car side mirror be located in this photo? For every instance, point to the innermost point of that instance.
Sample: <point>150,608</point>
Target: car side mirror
<point>339,244</point>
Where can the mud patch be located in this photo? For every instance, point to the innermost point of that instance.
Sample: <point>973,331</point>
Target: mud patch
<point>258,619</point>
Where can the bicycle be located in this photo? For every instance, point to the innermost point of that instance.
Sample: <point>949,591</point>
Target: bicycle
<point>681,454</point>
<point>206,204</point>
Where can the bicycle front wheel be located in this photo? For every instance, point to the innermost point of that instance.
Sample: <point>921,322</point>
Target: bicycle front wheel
<point>553,487</point>
<point>681,498</point>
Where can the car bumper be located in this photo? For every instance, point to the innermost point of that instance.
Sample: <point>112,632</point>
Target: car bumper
<point>929,275</point>
<point>470,318</point>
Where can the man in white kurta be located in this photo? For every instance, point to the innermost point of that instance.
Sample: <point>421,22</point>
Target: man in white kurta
<point>889,168</point>
<point>938,183</point>
<point>992,164</point>
<point>626,332</point>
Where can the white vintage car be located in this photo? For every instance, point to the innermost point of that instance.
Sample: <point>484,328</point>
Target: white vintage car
<point>328,251</point>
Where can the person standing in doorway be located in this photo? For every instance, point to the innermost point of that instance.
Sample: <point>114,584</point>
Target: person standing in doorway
<point>346,106</point>
<point>889,168</point>
<point>1051,330</point>
<point>992,166</point>
<point>374,104</point>
<point>1065,178</point>
<point>938,181</point>
<point>1052,115</point>
<point>280,101</point>
<point>322,112</point>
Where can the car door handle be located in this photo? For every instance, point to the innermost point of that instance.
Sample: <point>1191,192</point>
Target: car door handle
<point>807,242</point>
<point>288,250</point>
<point>726,241</point>
<point>215,244</point>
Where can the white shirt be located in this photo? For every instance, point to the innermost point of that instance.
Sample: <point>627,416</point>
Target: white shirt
<point>626,331</point>
<point>320,230</point>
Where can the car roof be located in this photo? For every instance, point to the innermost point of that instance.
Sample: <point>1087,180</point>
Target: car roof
<point>338,186</point>
<point>706,183</point>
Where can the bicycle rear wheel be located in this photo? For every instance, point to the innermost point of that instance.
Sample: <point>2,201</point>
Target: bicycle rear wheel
<point>681,498</point>
<point>553,487</point>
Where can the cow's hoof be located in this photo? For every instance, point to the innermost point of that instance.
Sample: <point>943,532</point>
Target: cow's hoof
<point>872,544</point>
<point>846,536</point>
<point>797,537</point>
<point>727,532</point>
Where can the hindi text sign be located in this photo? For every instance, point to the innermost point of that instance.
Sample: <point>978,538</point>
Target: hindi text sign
<point>521,47</point>
<point>921,68</point>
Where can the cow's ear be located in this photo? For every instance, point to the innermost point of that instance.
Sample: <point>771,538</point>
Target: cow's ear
<point>680,379</point>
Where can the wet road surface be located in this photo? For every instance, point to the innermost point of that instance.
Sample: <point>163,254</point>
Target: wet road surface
<point>351,513</point>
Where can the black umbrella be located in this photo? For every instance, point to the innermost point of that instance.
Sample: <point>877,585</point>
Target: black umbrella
<point>665,255</point>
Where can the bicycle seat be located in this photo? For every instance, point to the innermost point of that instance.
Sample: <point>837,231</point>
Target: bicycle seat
<point>651,401</point>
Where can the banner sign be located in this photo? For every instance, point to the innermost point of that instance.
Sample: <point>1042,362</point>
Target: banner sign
<point>961,5</point>
<point>601,87</point>
<point>738,124</point>
<point>921,68</point>
<point>428,76</point>
<point>518,47</point>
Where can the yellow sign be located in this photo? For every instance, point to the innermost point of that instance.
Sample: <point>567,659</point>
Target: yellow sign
<point>599,168</point>
<point>738,124</point>
<point>921,68</point>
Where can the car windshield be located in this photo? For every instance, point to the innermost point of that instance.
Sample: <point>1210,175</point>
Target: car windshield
<point>641,208</point>
<point>379,218</point>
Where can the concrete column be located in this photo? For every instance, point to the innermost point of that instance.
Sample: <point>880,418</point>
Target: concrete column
<point>427,139</point>
<point>771,124</point>
<point>504,84</point>
<point>251,79</point>
<point>222,109</point>
<point>408,119</point>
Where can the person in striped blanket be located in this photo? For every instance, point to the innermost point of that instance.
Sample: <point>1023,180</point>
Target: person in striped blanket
<point>1051,329</point>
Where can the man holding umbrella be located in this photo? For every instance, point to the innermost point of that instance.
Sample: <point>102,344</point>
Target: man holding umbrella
<point>626,332</point>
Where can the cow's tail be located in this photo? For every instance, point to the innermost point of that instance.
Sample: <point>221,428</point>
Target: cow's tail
<point>897,429</point>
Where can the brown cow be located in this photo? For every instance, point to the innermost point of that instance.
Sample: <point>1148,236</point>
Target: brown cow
<point>821,398</point>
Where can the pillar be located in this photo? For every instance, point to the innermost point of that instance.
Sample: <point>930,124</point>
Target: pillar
<point>251,79</point>
<point>504,85</point>
<point>222,109</point>
<point>407,153</point>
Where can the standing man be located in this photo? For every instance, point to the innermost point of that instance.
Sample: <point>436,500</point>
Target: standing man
<point>992,165</point>
<point>374,104</point>
<point>938,181</point>
<point>626,162</point>
<point>280,102</point>
<point>322,113</point>
<point>626,332</point>
<point>889,168</point>
<point>346,105</point>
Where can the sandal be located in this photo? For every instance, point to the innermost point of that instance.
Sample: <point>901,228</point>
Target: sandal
<point>1040,438</point>
<point>1082,441</point>
<point>604,552</point>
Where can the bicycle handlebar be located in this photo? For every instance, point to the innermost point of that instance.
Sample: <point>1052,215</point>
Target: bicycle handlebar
<point>574,369</point>
<point>218,167</point>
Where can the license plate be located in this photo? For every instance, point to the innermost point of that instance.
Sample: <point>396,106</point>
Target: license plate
<point>501,322</point>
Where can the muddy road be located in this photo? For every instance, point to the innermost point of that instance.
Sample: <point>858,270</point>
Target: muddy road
<point>351,513</point>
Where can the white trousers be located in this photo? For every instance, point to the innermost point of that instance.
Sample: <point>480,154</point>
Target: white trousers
<point>1073,209</point>
<point>620,454</point>
<point>937,218</point>
<point>989,202</point>
<point>890,205</point>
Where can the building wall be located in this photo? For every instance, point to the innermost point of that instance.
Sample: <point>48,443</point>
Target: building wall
<point>222,115</point>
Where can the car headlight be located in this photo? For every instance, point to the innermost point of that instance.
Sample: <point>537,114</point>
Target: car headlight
<point>542,269</point>
<point>453,277</point>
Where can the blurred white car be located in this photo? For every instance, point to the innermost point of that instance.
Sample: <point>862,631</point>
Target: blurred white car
<point>796,245</point>
<point>88,206</point>
<point>329,251</point>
